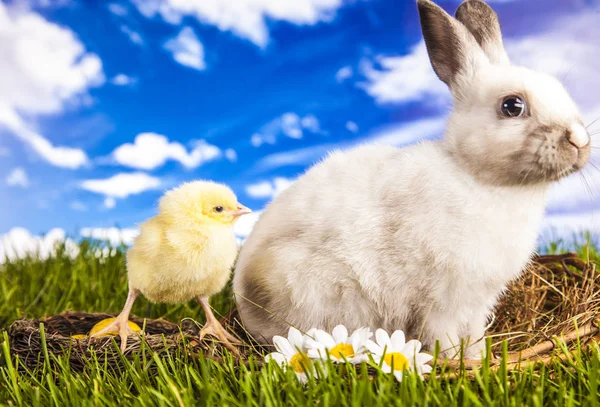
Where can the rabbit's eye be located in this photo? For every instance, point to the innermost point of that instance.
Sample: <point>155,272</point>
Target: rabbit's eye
<point>513,106</point>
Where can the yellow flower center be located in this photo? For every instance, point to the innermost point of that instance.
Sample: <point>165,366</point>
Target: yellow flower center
<point>299,361</point>
<point>342,350</point>
<point>396,360</point>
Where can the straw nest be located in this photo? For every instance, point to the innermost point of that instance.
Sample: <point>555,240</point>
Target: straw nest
<point>554,304</point>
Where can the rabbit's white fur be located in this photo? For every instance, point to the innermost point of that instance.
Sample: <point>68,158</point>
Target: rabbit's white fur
<point>423,238</point>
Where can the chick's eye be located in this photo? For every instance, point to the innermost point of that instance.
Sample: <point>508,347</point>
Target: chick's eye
<point>513,106</point>
<point>218,209</point>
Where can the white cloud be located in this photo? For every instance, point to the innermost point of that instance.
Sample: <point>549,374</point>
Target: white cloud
<point>187,49</point>
<point>122,185</point>
<point>78,206</point>
<point>19,243</point>
<point>288,124</point>
<point>260,190</point>
<point>245,18</point>
<point>231,155</point>
<point>570,225</point>
<point>409,133</point>
<point>352,127</point>
<point>152,150</point>
<point>401,79</point>
<point>44,68</point>
<point>573,192</point>
<point>301,156</point>
<point>17,178</point>
<point>269,189</point>
<point>122,80</point>
<point>113,235</point>
<point>64,157</point>
<point>344,73</point>
<point>245,224</point>
<point>117,9</point>
<point>258,140</point>
<point>397,135</point>
<point>291,125</point>
<point>47,3</point>
<point>311,123</point>
<point>134,36</point>
<point>110,202</point>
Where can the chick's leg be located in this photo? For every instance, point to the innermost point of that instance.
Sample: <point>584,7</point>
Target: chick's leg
<point>213,327</point>
<point>121,322</point>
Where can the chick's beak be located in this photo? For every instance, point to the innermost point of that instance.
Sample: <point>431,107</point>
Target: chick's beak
<point>241,210</point>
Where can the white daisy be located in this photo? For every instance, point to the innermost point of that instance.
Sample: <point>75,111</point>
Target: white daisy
<point>395,355</point>
<point>291,353</point>
<point>339,345</point>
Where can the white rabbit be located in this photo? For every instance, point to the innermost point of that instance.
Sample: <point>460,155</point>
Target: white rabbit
<point>423,238</point>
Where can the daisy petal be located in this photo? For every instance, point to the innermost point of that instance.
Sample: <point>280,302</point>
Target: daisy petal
<point>302,377</point>
<point>277,357</point>
<point>295,338</point>
<point>340,334</point>
<point>410,356</point>
<point>283,346</point>
<point>359,338</point>
<point>425,369</point>
<point>365,333</point>
<point>324,338</point>
<point>374,348</point>
<point>311,332</point>
<point>413,346</point>
<point>422,358</point>
<point>357,344</point>
<point>316,353</point>
<point>309,336</point>
<point>358,359</point>
<point>310,343</point>
<point>383,339</point>
<point>398,375</point>
<point>398,340</point>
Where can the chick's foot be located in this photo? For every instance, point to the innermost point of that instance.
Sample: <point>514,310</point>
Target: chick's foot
<point>121,322</point>
<point>214,328</point>
<point>119,325</point>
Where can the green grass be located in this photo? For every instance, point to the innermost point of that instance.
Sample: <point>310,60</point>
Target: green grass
<point>36,288</point>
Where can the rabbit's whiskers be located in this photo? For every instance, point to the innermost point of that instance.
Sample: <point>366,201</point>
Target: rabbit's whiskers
<point>592,123</point>
<point>593,164</point>
<point>587,186</point>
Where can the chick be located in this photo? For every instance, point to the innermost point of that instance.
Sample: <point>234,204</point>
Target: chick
<point>184,252</point>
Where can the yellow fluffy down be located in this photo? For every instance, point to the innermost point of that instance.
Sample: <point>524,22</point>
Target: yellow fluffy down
<point>176,267</point>
<point>187,250</point>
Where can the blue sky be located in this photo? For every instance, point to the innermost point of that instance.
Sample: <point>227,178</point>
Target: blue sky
<point>104,105</point>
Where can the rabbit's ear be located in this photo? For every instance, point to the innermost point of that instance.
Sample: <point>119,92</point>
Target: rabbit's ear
<point>452,50</point>
<point>482,22</point>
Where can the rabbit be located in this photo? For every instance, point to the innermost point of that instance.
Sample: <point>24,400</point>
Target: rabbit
<point>423,238</point>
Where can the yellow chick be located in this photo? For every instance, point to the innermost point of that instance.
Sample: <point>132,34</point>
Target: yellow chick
<point>184,252</point>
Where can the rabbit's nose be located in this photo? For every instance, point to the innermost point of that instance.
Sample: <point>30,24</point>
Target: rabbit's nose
<point>578,136</point>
